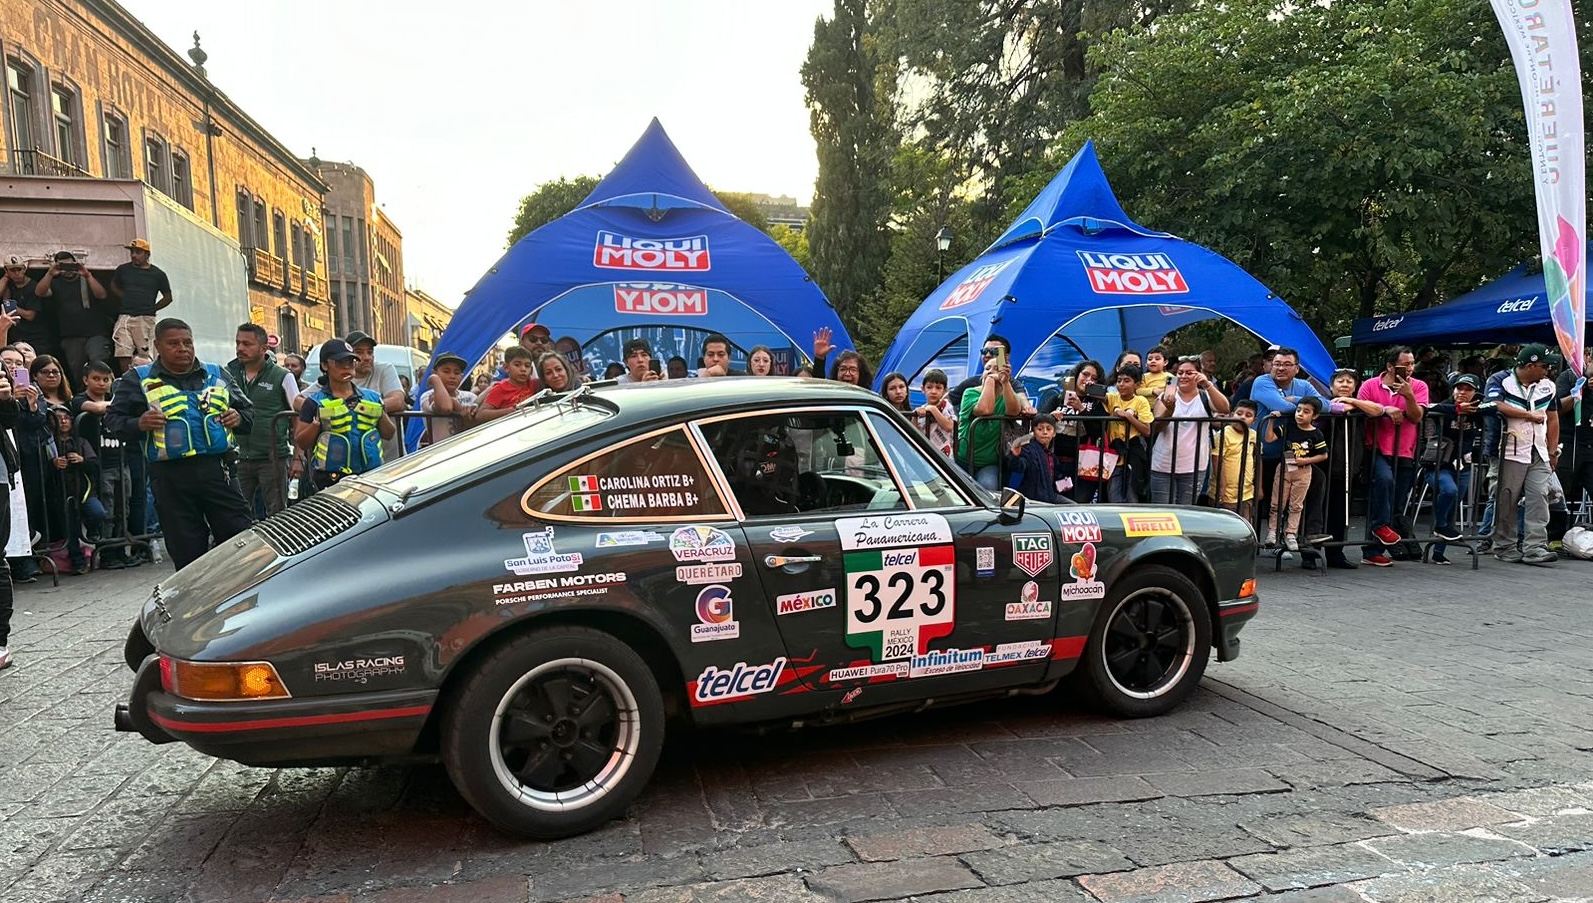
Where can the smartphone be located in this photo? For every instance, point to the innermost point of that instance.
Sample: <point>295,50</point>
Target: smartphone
<point>20,378</point>
<point>1070,385</point>
<point>1096,390</point>
<point>1001,357</point>
<point>654,366</point>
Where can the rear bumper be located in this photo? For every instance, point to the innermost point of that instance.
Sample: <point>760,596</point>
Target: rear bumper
<point>1232,615</point>
<point>320,730</point>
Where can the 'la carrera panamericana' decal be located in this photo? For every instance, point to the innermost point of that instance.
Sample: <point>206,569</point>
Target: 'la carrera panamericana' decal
<point>901,582</point>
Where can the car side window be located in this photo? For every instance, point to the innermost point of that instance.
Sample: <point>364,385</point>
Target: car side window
<point>802,462</point>
<point>926,486</point>
<point>655,477</point>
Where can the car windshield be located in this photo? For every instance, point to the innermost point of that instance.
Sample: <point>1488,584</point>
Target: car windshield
<point>486,445</point>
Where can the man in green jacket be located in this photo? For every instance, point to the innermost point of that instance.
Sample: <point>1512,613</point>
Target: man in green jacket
<point>273,390</point>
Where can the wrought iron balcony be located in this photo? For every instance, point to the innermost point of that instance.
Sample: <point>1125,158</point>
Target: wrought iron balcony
<point>38,163</point>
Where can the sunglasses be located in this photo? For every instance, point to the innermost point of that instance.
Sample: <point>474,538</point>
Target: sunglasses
<point>1189,359</point>
<point>989,352</point>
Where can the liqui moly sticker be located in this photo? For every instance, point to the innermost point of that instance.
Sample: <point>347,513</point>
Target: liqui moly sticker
<point>540,556</point>
<point>1132,274</point>
<point>1032,552</point>
<point>973,285</point>
<point>1078,526</point>
<point>716,618</point>
<point>661,300</point>
<point>615,251</point>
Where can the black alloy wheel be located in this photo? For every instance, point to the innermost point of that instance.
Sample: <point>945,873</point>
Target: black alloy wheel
<point>1150,643</point>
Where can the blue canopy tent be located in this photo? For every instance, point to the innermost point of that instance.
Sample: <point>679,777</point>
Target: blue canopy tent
<point>1511,309</point>
<point>1074,277</point>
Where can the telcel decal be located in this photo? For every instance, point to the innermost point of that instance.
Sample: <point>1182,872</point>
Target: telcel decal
<point>1084,585</point>
<point>737,682</point>
<point>1158,523</point>
<point>1030,607</point>
<point>1078,526</point>
<point>702,544</point>
<point>359,670</point>
<point>808,601</point>
<point>1026,651</point>
<point>716,618</point>
<point>1032,552</point>
<point>540,557</point>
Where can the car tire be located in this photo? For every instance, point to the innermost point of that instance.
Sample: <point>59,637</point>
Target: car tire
<point>555,732</point>
<point>1150,643</point>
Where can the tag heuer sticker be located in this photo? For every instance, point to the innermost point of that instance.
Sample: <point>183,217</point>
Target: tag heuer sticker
<point>1032,552</point>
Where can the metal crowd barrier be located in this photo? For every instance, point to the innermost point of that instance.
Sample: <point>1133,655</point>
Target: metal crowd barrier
<point>401,418</point>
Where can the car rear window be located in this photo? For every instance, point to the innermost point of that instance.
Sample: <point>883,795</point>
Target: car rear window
<point>656,477</point>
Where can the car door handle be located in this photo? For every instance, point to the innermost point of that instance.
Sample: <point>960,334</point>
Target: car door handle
<point>780,561</point>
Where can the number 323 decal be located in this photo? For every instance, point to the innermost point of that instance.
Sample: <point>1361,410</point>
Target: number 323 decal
<point>898,600</point>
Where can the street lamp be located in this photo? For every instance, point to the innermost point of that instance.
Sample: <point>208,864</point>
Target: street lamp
<point>942,245</point>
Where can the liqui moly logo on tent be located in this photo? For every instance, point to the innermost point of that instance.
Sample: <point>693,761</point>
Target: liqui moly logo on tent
<point>661,298</point>
<point>1133,274</point>
<point>622,252</point>
<point>973,285</point>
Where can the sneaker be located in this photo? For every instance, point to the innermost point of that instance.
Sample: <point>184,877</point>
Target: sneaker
<point>1386,535</point>
<point>80,570</point>
<point>1508,556</point>
<point>1484,546</point>
<point>5,658</point>
<point>1438,558</point>
<point>1540,556</point>
<point>1378,561</point>
<point>1342,563</point>
<point>1447,534</point>
<point>1290,543</point>
<point>24,578</point>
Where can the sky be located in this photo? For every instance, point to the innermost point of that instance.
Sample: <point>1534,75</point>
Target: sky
<point>458,110</point>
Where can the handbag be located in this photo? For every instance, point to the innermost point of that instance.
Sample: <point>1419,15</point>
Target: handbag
<point>1436,448</point>
<point>1096,463</point>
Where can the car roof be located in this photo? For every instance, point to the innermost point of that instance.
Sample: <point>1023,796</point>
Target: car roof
<point>689,398</point>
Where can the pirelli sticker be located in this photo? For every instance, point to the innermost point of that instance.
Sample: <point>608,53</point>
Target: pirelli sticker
<point>1156,523</point>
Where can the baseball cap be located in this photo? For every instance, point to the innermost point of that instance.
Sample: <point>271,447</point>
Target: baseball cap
<point>137,244</point>
<point>15,260</point>
<point>530,326</point>
<point>356,337</point>
<point>337,350</point>
<point>448,356</point>
<point>1534,353</point>
<point>1464,379</point>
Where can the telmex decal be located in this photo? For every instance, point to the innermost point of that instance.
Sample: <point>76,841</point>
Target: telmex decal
<point>628,538</point>
<point>1026,651</point>
<point>702,544</point>
<point>738,682</point>
<point>1032,552</point>
<point>614,251</point>
<point>886,530</point>
<point>695,574</point>
<point>808,601</point>
<point>716,618</point>
<point>540,557</point>
<point>1078,527</point>
<point>1161,523</point>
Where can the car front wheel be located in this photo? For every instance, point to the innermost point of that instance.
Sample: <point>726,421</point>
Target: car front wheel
<point>1150,643</point>
<point>555,733</point>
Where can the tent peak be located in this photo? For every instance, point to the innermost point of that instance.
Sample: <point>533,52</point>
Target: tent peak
<point>1079,192</point>
<point>654,176</point>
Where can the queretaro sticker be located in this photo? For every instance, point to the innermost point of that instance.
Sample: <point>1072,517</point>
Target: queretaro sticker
<point>1078,526</point>
<point>541,558</point>
<point>716,617</point>
<point>697,574</point>
<point>1031,552</point>
<point>702,544</point>
<point>985,561</point>
<point>1029,607</point>
<point>1082,569</point>
<point>898,600</point>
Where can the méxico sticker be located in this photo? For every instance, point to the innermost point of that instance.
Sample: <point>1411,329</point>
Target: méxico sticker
<point>1031,552</point>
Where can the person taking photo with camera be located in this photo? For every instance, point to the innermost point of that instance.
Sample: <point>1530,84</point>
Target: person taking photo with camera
<point>82,314</point>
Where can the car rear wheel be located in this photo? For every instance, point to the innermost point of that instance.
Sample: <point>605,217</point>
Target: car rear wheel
<point>554,733</point>
<point>1150,643</point>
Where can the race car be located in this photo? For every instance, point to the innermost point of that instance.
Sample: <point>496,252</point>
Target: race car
<point>535,600</point>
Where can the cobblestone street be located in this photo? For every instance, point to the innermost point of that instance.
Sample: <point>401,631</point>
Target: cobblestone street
<point>1418,734</point>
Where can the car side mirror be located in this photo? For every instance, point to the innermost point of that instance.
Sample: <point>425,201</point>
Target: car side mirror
<point>1012,502</point>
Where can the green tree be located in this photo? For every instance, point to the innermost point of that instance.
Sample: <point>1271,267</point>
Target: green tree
<point>795,242</point>
<point>744,207</point>
<point>550,201</point>
<point>849,87</point>
<point>1356,157</point>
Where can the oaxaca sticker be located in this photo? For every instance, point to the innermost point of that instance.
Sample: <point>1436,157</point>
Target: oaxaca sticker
<point>898,600</point>
<point>882,531</point>
<point>1078,526</point>
<point>694,574</point>
<point>716,618</point>
<point>1082,568</point>
<point>540,558</point>
<point>1032,552</point>
<point>1030,606</point>
<point>1160,523</point>
<point>808,601</point>
<point>702,544</point>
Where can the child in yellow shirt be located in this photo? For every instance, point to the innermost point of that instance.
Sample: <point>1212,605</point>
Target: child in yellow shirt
<point>1133,421</point>
<point>1157,376</point>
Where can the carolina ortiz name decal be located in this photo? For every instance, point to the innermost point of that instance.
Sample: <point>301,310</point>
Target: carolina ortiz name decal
<point>622,252</point>
<point>1132,274</point>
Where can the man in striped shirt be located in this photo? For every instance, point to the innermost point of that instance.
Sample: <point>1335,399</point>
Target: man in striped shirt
<point>1531,449</point>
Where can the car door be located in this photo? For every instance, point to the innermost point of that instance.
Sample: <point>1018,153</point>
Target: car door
<point>880,572</point>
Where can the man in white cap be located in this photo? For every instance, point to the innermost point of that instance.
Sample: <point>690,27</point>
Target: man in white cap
<point>144,289</point>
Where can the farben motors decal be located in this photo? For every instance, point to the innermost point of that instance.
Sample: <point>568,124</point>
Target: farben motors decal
<point>739,681</point>
<point>716,618</point>
<point>358,670</point>
<point>540,556</point>
<point>1132,274</point>
<point>1078,526</point>
<point>973,285</point>
<point>1031,552</point>
<point>661,300</point>
<point>702,544</point>
<point>615,251</point>
<point>543,588</point>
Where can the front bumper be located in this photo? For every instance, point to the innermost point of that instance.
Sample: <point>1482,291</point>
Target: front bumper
<point>1232,615</point>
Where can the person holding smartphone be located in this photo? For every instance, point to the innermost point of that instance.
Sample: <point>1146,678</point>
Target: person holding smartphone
<point>83,316</point>
<point>639,368</point>
<point>979,445</point>
<point>1392,439</point>
<point>23,309</point>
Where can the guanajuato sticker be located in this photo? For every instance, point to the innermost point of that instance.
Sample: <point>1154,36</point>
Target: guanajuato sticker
<point>1078,526</point>
<point>1082,568</point>
<point>716,619</point>
<point>541,558</point>
<point>1031,552</point>
<point>1154,523</point>
<point>900,582</point>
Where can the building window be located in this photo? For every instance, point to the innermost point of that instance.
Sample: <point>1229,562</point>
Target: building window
<point>182,183</point>
<point>279,231</point>
<point>260,237</point>
<point>68,120</point>
<point>287,329</point>
<point>365,240</point>
<point>245,220</point>
<point>19,102</point>
<point>339,321</point>
<point>348,248</point>
<point>157,172</point>
<point>118,155</point>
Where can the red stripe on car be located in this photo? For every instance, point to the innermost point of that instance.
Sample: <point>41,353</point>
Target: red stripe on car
<point>207,727</point>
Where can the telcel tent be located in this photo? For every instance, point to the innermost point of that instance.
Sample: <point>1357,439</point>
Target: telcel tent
<point>650,252</point>
<point>1074,276</point>
<point>1511,309</point>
